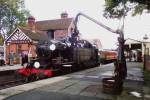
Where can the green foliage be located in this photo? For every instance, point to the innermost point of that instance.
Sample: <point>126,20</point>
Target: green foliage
<point>117,8</point>
<point>12,13</point>
<point>1,40</point>
<point>138,9</point>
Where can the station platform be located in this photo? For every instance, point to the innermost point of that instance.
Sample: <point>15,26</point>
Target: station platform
<point>83,85</point>
<point>10,67</point>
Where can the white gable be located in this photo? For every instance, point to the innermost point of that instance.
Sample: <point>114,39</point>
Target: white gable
<point>18,37</point>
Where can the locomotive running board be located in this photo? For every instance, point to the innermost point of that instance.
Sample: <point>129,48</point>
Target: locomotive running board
<point>67,65</point>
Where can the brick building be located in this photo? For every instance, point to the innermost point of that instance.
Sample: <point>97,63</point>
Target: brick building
<point>25,39</point>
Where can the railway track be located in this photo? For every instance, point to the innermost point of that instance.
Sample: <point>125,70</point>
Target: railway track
<point>10,83</point>
<point>7,79</point>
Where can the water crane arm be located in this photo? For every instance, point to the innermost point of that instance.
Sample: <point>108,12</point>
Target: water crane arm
<point>120,67</point>
<point>95,21</point>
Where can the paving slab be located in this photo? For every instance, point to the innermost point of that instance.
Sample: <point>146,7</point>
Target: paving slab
<point>44,95</point>
<point>77,88</point>
<point>90,90</point>
<point>30,86</point>
<point>58,86</point>
<point>8,67</point>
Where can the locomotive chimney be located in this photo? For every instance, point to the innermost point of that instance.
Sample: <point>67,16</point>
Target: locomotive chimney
<point>31,23</point>
<point>64,15</point>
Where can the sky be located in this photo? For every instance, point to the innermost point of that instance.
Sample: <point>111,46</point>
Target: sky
<point>135,27</point>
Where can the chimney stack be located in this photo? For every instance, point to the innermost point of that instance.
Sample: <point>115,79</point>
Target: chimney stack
<point>31,23</point>
<point>64,15</point>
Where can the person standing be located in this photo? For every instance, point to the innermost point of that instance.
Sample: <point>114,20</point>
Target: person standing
<point>26,58</point>
<point>1,59</point>
<point>11,58</point>
<point>22,58</point>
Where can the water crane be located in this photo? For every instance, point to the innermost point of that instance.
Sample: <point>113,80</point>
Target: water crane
<point>120,64</point>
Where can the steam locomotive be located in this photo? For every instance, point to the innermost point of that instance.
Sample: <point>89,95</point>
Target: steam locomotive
<point>60,56</point>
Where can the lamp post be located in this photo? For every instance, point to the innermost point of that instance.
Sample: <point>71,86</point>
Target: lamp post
<point>144,43</point>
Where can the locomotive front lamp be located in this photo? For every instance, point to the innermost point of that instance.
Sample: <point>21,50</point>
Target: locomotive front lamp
<point>36,64</point>
<point>52,47</point>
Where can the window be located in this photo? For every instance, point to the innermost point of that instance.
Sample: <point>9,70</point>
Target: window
<point>50,34</point>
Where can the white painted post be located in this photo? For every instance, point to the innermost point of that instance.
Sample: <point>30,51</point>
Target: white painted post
<point>4,45</point>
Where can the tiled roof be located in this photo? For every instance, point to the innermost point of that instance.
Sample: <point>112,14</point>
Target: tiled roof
<point>36,36</point>
<point>53,24</point>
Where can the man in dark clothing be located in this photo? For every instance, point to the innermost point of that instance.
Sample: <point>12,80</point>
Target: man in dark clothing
<point>22,58</point>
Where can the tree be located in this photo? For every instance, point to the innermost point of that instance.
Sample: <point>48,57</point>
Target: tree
<point>117,8</point>
<point>12,13</point>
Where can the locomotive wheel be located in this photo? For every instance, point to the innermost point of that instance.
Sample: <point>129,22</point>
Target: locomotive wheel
<point>41,75</point>
<point>81,66</point>
<point>18,76</point>
<point>32,77</point>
